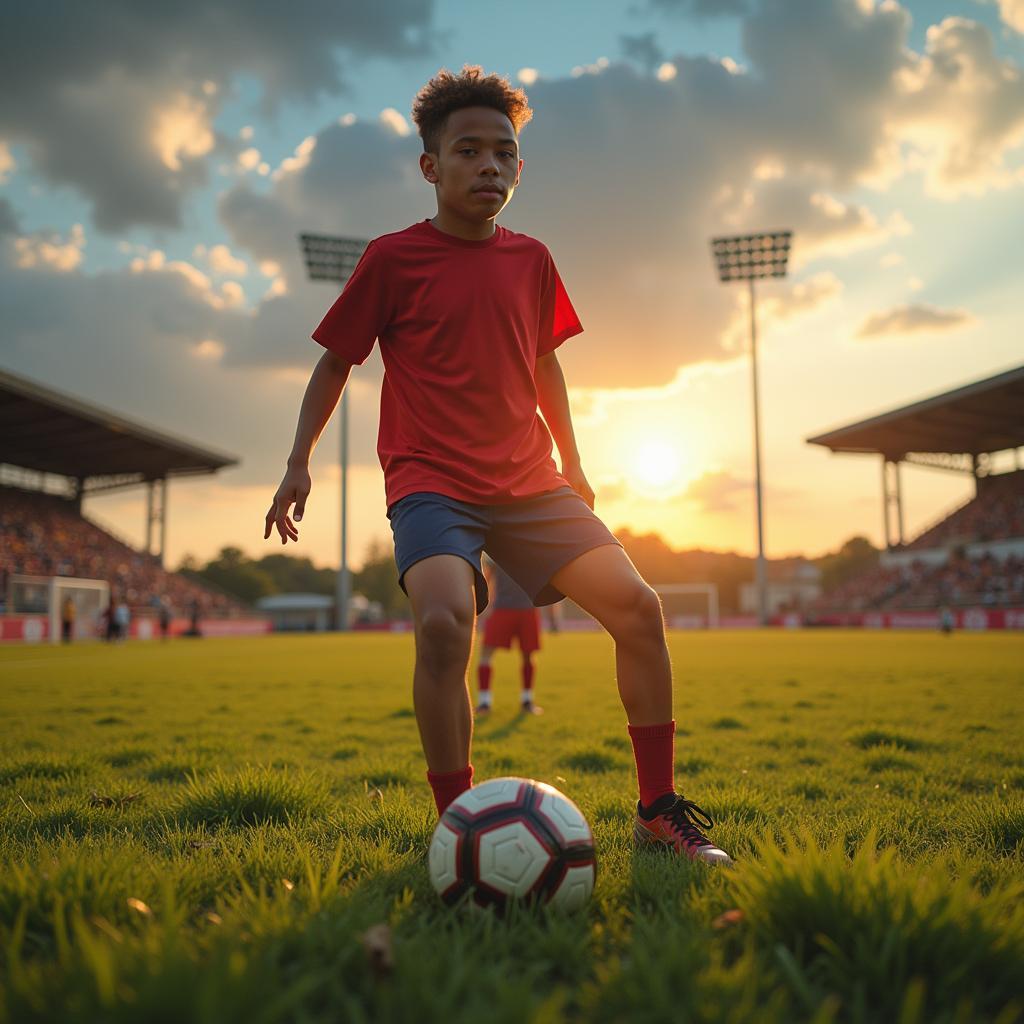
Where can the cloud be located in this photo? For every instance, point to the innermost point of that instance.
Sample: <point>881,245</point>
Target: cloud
<point>122,108</point>
<point>223,261</point>
<point>657,167</point>
<point>913,319</point>
<point>963,107</point>
<point>1012,13</point>
<point>717,491</point>
<point>643,49</point>
<point>45,248</point>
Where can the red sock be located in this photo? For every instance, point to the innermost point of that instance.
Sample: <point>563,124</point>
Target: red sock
<point>448,785</point>
<point>654,750</point>
<point>527,678</point>
<point>483,677</point>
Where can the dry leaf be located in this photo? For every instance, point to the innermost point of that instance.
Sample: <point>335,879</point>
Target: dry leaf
<point>138,905</point>
<point>120,802</point>
<point>376,941</point>
<point>727,920</point>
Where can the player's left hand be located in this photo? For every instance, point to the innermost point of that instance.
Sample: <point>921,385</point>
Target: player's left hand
<point>578,482</point>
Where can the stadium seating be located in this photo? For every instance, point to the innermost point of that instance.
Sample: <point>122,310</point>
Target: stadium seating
<point>43,535</point>
<point>997,513</point>
<point>959,580</point>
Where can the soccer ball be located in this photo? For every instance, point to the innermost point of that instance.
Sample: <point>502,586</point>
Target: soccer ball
<point>513,839</point>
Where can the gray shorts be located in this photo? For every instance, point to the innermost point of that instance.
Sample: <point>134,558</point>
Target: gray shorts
<point>530,539</point>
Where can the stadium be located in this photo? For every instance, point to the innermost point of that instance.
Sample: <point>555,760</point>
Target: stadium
<point>57,449</point>
<point>636,629</point>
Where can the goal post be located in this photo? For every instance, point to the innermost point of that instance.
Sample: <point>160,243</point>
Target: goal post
<point>689,605</point>
<point>45,596</point>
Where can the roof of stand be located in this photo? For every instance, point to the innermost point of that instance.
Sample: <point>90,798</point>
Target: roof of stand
<point>51,432</point>
<point>986,416</point>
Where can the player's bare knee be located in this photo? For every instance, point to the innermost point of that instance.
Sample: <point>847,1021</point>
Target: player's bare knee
<point>639,621</point>
<point>443,640</point>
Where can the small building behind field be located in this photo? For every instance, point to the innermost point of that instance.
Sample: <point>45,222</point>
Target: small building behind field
<point>793,583</point>
<point>298,613</point>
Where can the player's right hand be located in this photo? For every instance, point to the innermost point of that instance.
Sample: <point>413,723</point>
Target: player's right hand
<point>294,489</point>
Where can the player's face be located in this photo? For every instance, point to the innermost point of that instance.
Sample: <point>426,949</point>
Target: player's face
<point>478,165</point>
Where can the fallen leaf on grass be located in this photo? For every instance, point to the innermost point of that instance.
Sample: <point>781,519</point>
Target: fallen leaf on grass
<point>727,920</point>
<point>120,802</point>
<point>376,941</point>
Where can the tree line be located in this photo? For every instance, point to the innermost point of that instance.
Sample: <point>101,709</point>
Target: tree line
<point>250,579</point>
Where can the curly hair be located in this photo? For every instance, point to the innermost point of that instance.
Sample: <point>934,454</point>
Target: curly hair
<point>446,92</point>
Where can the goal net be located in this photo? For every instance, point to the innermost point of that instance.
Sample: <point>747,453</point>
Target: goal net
<point>45,596</point>
<point>689,605</point>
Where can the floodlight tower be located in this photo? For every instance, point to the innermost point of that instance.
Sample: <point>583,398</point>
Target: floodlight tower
<point>746,258</point>
<point>331,258</point>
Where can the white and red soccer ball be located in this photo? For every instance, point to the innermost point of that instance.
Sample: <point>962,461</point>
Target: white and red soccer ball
<point>513,839</point>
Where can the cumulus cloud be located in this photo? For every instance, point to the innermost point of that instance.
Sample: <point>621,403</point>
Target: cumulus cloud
<point>149,342</point>
<point>1012,12</point>
<point>643,49</point>
<point>914,319</point>
<point>963,107</point>
<point>123,106</point>
<point>706,152</point>
<point>46,248</point>
<point>223,261</point>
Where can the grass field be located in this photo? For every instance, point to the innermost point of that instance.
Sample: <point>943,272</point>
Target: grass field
<point>204,831</point>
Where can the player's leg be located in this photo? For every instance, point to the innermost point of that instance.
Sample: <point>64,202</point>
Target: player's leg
<point>604,582</point>
<point>441,591</point>
<point>484,670</point>
<point>529,643</point>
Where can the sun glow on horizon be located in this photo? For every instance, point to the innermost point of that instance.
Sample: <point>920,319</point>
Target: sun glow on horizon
<point>656,465</point>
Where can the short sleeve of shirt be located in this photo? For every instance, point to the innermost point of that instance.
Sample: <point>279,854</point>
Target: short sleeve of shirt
<point>558,320</point>
<point>361,311</point>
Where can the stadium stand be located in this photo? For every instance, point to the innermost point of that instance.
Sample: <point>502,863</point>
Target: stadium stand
<point>972,558</point>
<point>996,513</point>
<point>43,535</point>
<point>49,442</point>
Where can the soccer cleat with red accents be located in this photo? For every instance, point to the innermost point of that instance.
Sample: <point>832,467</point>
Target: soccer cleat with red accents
<point>675,824</point>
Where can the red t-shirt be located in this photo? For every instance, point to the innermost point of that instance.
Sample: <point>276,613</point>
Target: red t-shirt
<point>461,324</point>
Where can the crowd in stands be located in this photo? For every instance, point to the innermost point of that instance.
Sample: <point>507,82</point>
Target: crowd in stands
<point>985,581</point>
<point>43,535</point>
<point>997,513</point>
<point>959,580</point>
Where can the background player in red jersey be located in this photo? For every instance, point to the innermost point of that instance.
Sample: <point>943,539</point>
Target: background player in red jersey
<point>511,615</point>
<point>468,316</point>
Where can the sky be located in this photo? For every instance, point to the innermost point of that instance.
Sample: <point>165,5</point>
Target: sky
<point>157,163</point>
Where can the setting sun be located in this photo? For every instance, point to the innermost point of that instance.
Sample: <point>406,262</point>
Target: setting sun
<point>656,464</point>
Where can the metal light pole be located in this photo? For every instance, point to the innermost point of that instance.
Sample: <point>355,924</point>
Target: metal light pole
<point>332,258</point>
<point>746,258</point>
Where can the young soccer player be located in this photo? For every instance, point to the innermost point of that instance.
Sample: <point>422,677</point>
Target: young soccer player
<point>469,315</point>
<point>512,615</point>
